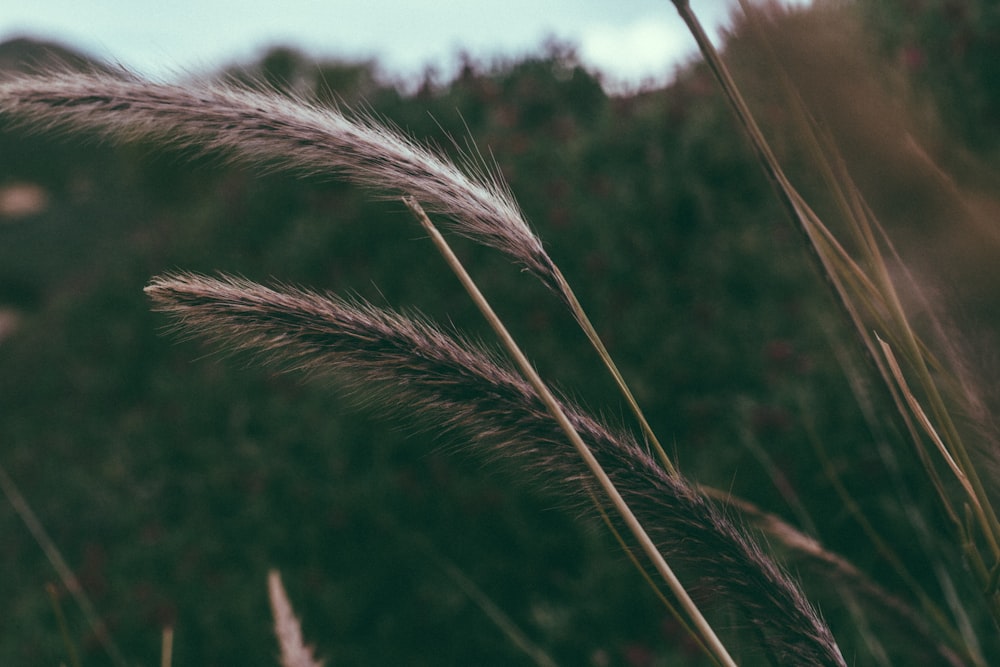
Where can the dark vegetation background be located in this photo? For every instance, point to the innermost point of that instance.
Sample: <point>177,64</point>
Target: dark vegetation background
<point>173,479</point>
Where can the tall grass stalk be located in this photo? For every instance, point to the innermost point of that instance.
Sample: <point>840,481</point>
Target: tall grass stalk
<point>708,635</point>
<point>61,567</point>
<point>870,300</point>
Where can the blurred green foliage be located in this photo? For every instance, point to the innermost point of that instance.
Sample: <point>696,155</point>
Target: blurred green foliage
<point>172,480</point>
<point>950,48</point>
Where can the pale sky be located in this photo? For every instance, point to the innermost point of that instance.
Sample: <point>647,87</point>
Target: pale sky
<point>626,39</point>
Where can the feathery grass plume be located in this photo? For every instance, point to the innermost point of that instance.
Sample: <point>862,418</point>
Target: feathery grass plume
<point>807,553</point>
<point>294,652</point>
<point>278,132</point>
<point>468,390</point>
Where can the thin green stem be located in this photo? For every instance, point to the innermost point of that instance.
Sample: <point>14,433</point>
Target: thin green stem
<point>602,351</point>
<point>74,658</point>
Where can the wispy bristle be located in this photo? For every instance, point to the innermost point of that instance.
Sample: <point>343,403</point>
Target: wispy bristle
<point>468,390</point>
<point>275,131</point>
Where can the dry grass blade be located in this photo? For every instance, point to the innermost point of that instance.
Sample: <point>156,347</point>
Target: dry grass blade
<point>466,389</point>
<point>865,291</point>
<point>63,570</point>
<point>294,652</point>
<point>975,512</point>
<point>945,389</point>
<point>925,422</point>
